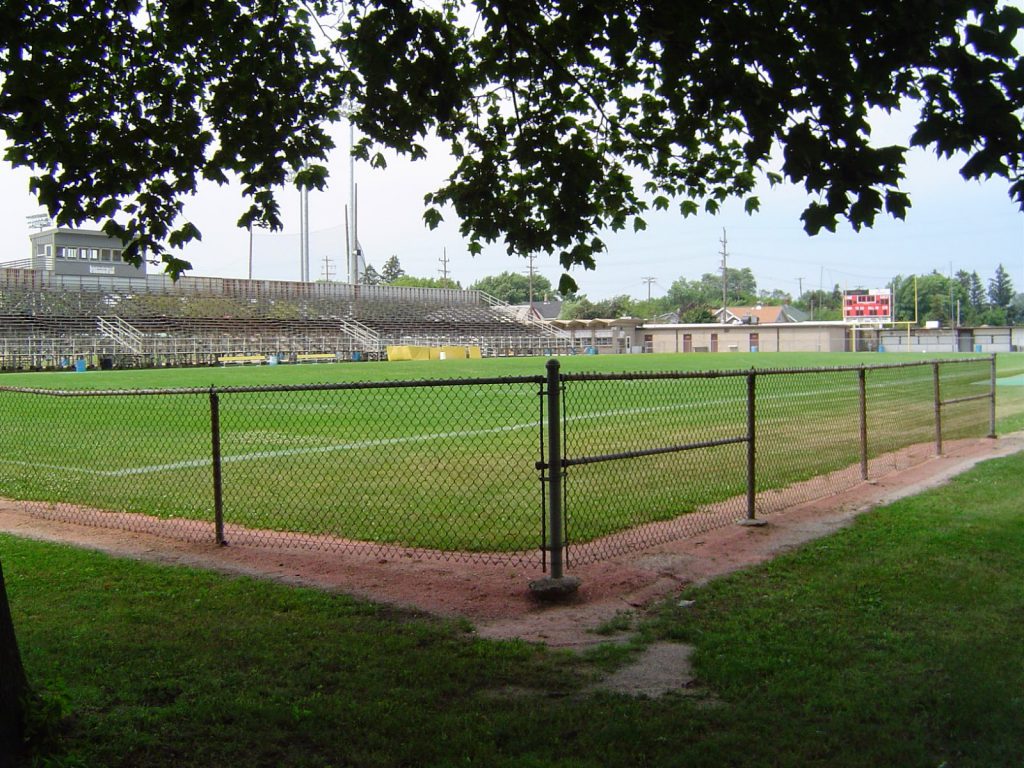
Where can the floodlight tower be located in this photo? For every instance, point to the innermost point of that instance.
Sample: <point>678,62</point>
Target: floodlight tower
<point>353,251</point>
<point>303,227</point>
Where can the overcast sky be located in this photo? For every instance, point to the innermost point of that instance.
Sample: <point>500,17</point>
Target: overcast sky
<point>952,225</point>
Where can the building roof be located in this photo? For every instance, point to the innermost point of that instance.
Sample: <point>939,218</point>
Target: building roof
<point>760,314</point>
<point>539,310</point>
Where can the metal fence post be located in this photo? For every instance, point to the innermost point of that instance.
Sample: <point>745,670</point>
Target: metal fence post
<point>218,498</point>
<point>555,528</point>
<point>751,441</point>
<point>558,585</point>
<point>992,403</point>
<point>938,409</point>
<point>863,394</point>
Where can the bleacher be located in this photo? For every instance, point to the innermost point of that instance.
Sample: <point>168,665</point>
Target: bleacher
<point>49,321</point>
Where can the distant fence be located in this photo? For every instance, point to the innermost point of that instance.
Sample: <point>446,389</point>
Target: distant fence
<point>560,469</point>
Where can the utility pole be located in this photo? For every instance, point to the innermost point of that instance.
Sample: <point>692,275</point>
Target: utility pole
<point>724,253</point>
<point>800,282</point>
<point>444,264</point>
<point>531,281</point>
<point>327,268</point>
<point>649,281</point>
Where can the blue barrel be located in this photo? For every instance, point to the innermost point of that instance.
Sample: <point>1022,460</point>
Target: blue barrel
<point>80,364</point>
<point>357,356</point>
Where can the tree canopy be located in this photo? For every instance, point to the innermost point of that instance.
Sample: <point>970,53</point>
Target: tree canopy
<point>566,119</point>
<point>514,288</point>
<point>957,300</point>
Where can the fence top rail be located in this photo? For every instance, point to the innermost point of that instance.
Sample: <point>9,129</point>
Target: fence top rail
<point>347,385</point>
<point>739,372</point>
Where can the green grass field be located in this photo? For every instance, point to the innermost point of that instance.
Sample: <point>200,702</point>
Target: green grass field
<point>453,467</point>
<point>894,642</point>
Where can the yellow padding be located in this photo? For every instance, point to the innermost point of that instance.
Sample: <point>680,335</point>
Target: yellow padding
<point>453,353</point>
<point>432,353</point>
<point>404,352</point>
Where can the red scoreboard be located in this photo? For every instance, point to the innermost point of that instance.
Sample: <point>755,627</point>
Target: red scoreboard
<point>867,305</point>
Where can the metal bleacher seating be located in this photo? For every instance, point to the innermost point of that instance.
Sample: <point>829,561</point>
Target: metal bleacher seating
<point>50,321</point>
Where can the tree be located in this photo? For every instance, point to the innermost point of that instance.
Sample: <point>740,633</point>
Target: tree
<point>740,285</point>
<point>776,296</point>
<point>514,288</point>
<point>14,689</point>
<point>391,271</point>
<point>370,276</point>
<point>928,297</point>
<point>408,281</point>
<point>1016,311</point>
<point>1000,288</point>
<point>565,119</point>
<point>976,293</point>
<point>741,289</point>
<point>583,309</point>
<point>822,304</point>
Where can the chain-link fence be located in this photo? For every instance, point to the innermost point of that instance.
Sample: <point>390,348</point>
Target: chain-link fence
<point>445,467</point>
<point>650,458</point>
<point>511,469</point>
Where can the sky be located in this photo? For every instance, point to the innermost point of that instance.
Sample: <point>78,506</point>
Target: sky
<point>952,225</point>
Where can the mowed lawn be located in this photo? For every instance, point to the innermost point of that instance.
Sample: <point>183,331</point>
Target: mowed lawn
<point>894,642</point>
<point>452,467</point>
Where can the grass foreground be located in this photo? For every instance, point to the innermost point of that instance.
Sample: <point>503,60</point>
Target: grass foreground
<point>894,642</point>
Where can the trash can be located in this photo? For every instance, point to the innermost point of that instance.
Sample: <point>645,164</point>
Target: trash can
<point>357,356</point>
<point>106,363</point>
<point>80,364</point>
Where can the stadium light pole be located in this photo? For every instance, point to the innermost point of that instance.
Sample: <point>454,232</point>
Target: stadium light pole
<point>303,228</point>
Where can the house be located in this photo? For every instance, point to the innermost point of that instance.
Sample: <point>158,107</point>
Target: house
<point>760,314</point>
<point>539,310</point>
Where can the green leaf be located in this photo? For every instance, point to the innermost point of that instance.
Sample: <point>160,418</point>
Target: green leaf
<point>432,217</point>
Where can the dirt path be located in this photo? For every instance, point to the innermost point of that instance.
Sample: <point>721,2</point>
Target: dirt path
<point>496,598</point>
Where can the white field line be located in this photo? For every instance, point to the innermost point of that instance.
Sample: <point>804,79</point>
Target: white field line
<point>409,439</point>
